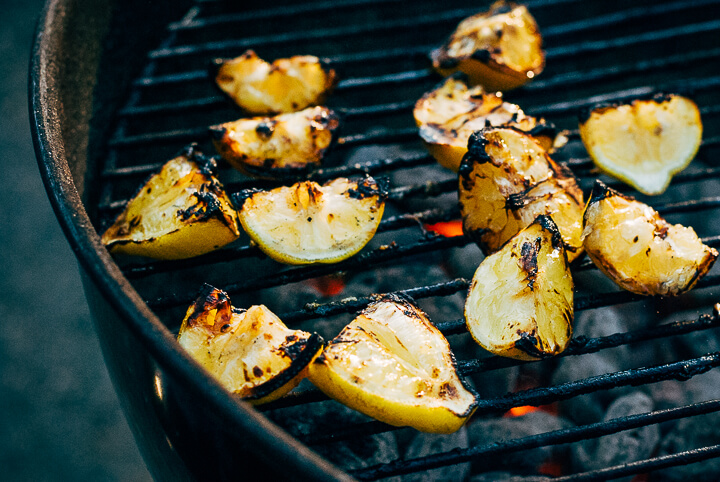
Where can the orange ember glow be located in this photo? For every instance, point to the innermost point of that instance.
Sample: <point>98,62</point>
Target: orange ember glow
<point>520,411</point>
<point>448,229</point>
<point>329,285</point>
<point>551,468</point>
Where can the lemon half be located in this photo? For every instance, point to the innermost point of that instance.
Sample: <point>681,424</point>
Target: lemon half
<point>309,223</point>
<point>392,364</point>
<point>644,142</point>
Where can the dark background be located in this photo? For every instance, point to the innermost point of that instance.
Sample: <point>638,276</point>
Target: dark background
<point>59,415</point>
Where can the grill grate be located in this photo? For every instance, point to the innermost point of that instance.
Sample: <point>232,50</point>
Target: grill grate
<point>601,53</point>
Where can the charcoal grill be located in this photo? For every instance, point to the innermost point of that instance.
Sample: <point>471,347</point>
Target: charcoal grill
<point>117,89</point>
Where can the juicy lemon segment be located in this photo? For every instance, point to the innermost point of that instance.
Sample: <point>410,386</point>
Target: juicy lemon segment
<point>646,142</point>
<point>392,364</point>
<point>450,113</point>
<point>520,301</point>
<point>272,146</point>
<point>500,49</point>
<point>250,352</point>
<point>640,251</point>
<point>286,85</point>
<point>180,212</point>
<point>308,223</point>
<point>506,181</point>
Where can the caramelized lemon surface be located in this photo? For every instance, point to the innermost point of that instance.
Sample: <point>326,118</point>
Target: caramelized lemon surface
<point>180,212</point>
<point>506,181</point>
<point>277,146</point>
<point>392,364</point>
<point>308,223</point>
<point>250,352</point>
<point>639,250</point>
<point>520,301</point>
<point>286,85</point>
<point>449,114</point>
<point>644,142</point>
<point>500,49</point>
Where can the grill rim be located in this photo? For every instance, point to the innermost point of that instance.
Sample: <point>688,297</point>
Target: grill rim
<point>45,90</point>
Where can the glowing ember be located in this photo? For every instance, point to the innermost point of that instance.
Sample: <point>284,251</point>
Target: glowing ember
<point>551,468</point>
<point>448,229</point>
<point>520,411</point>
<point>329,285</point>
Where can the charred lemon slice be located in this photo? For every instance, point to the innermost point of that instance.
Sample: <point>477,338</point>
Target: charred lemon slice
<point>250,352</point>
<point>308,223</point>
<point>277,146</point>
<point>520,302</point>
<point>392,364</point>
<point>448,115</point>
<point>500,49</point>
<point>286,85</point>
<point>180,212</point>
<point>640,251</point>
<point>506,181</point>
<point>645,142</point>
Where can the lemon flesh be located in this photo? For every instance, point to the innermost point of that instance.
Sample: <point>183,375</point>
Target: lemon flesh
<point>308,223</point>
<point>250,352</point>
<point>450,113</point>
<point>639,250</point>
<point>392,364</point>
<point>520,301</point>
<point>506,180</point>
<point>180,212</point>
<point>500,49</point>
<point>646,142</point>
<point>286,85</point>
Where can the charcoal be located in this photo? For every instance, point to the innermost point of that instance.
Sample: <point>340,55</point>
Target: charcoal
<point>488,431</point>
<point>325,417</point>
<point>592,324</point>
<point>623,447</point>
<point>688,434</point>
<point>424,444</point>
<point>507,477</point>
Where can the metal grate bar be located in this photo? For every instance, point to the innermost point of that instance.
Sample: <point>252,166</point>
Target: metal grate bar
<point>335,60</point>
<point>366,260</point>
<point>548,32</point>
<point>276,13</point>
<point>327,33</point>
<point>557,53</point>
<point>316,34</point>
<point>683,370</point>
<point>585,302</point>
<point>648,465</point>
<point>292,11</point>
<point>556,437</point>
<point>578,346</point>
<point>410,133</point>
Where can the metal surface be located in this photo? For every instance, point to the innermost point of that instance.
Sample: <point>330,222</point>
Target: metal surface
<point>595,53</point>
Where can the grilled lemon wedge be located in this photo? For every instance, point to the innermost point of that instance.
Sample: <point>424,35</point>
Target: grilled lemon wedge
<point>279,146</point>
<point>308,223</point>
<point>180,212</point>
<point>250,352</point>
<point>500,49</point>
<point>644,142</point>
<point>520,301</point>
<point>450,113</point>
<point>506,181</point>
<point>392,364</point>
<point>286,85</point>
<point>640,251</point>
